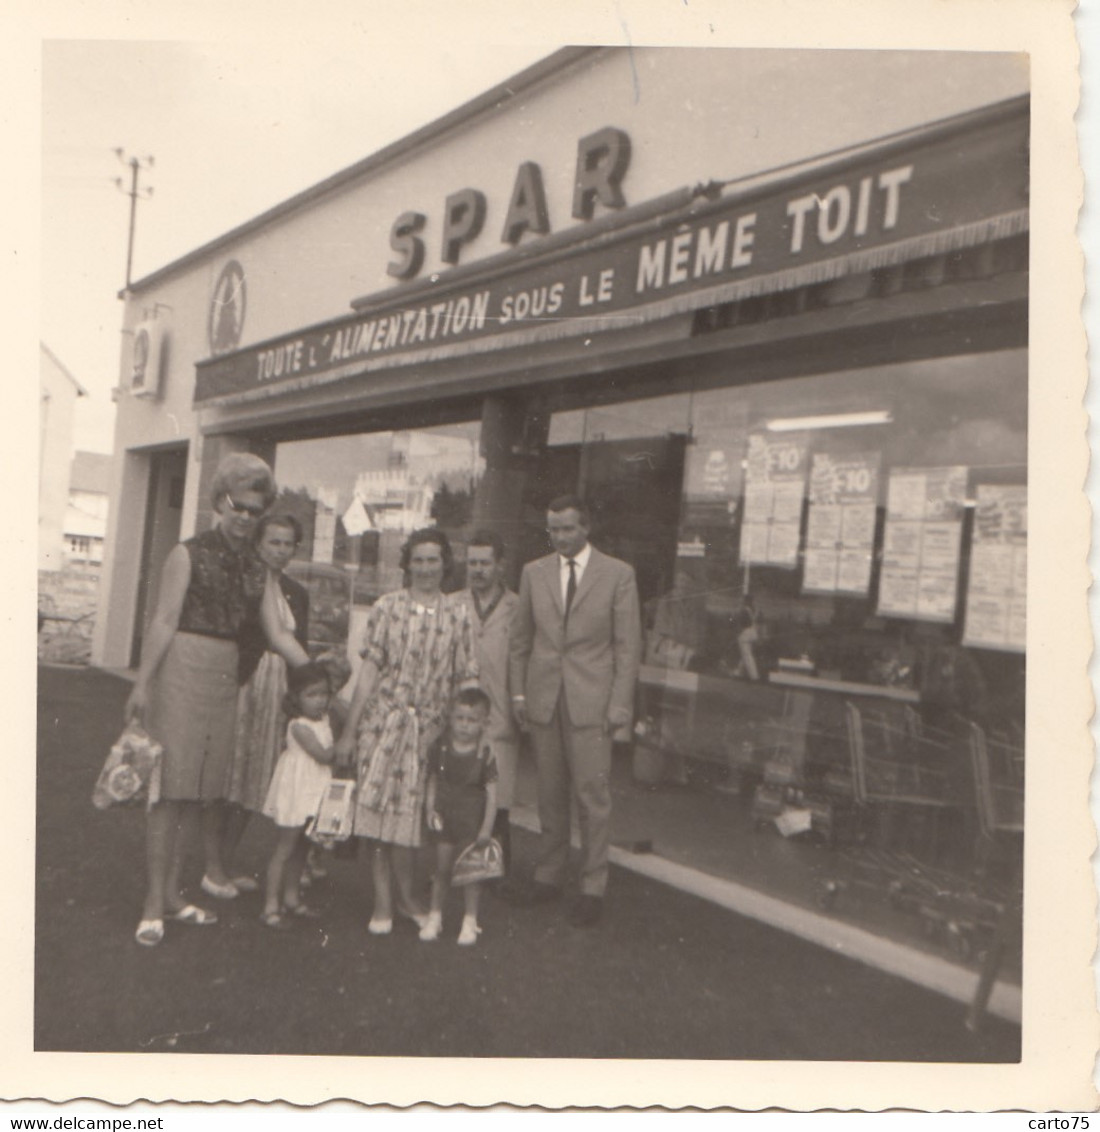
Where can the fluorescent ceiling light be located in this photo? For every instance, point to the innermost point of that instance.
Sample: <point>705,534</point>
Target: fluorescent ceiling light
<point>834,420</point>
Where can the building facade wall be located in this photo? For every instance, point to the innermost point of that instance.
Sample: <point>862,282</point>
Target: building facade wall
<point>692,116</point>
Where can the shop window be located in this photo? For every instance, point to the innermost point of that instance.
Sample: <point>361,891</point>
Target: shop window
<point>358,498</point>
<point>626,460</point>
<point>861,533</point>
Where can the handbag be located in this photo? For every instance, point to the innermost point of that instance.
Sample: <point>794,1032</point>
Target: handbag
<point>478,862</point>
<point>335,815</point>
<point>131,771</point>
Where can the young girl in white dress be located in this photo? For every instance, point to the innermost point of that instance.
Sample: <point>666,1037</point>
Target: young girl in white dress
<point>298,784</point>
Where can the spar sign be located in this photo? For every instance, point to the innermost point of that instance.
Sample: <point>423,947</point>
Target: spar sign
<point>954,188</point>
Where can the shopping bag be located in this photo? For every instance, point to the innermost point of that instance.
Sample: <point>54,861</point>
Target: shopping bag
<point>478,862</point>
<point>131,772</point>
<point>335,814</point>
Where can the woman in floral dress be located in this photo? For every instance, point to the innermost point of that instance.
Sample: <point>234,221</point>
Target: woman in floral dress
<point>417,652</point>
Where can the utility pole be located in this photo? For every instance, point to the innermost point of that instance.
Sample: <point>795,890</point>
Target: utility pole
<point>136,164</point>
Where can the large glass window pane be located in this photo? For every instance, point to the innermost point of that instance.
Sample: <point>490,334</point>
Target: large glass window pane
<point>823,529</point>
<point>358,498</point>
<point>787,502</point>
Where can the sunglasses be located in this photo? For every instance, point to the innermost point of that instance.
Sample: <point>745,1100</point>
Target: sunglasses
<point>252,510</point>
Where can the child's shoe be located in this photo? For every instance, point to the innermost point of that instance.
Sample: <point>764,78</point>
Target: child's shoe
<point>470,932</point>
<point>433,925</point>
<point>315,863</point>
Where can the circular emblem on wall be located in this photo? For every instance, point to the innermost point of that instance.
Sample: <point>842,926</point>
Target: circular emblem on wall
<point>227,309</point>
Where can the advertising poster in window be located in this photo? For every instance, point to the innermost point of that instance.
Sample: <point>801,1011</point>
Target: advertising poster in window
<point>920,554</point>
<point>712,481</point>
<point>775,481</point>
<point>840,533</point>
<point>996,599</point>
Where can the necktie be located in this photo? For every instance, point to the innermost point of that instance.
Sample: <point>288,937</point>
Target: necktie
<point>571,585</point>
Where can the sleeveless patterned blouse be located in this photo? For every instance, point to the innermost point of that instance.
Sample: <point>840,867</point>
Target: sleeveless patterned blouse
<point>226,587</point>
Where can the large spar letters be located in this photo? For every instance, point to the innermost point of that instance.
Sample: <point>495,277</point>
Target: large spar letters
<point>463,218</point>
<point>527,208</point>
<point>405,241</point>
<point>602,161</point>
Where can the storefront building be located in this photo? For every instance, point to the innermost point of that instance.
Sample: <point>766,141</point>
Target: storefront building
<point>769,321</point>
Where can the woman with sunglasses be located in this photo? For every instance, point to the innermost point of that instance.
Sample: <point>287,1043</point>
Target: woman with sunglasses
<point>185,694</point>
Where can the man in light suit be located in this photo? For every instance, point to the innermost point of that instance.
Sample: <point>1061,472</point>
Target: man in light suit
<point>574,656</point>
<point>492,608</point>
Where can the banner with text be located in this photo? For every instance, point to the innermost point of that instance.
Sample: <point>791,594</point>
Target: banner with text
<point>949,189</point>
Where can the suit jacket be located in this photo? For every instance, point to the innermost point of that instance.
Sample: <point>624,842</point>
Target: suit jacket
<point>252,641</point>
<point>594,658</point>
<point>491,637</point>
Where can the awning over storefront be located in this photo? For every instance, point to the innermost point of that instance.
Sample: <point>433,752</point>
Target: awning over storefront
<point>947,187</point>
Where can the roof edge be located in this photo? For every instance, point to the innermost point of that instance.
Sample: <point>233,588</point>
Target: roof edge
<point>80,390</point>
<point>494,97</point>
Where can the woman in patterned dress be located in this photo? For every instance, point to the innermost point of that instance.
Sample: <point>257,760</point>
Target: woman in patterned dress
<point>418,651</point>
<point>261,722</point>
<point>185,693</point>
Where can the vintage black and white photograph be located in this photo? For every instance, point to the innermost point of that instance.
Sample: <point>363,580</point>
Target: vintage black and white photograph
<point>533,553</point>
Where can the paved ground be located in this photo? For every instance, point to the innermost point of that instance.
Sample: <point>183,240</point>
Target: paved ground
<point>665,976</point>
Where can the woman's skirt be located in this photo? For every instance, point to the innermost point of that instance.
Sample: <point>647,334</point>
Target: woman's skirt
<point>261,734</point>
<point>193,715</point>
<point>392,756</point>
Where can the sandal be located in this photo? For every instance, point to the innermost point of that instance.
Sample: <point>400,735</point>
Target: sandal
<point>245,884</point>
<point>221,891</point>
<point>149,932</point>
<point>276,921</point>
<point>303,911</point>
<point>192,914</point>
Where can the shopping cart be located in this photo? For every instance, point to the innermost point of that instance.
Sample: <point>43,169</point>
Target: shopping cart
<point>901,773</point>
<point>998,766</point>
<point>906,784</point>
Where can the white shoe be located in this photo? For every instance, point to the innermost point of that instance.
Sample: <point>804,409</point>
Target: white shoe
<point>470,932</point>
<point>380,927</point>
<point>226,891</point>
<point>433,925</point>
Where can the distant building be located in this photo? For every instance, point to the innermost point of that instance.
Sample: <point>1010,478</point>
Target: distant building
<point>73,495</point>
<point>58,391</point>
<point>85,525</point>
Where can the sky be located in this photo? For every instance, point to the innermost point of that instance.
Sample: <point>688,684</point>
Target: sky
<point>231,131</point>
